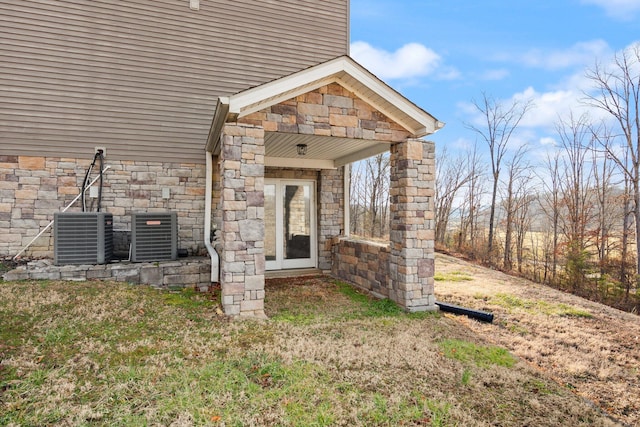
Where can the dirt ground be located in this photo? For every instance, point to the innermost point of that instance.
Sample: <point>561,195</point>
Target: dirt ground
<point>591,349</point>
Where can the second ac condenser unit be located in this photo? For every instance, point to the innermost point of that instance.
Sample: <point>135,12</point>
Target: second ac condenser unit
<point>154,236</point>
<point>82,238</point>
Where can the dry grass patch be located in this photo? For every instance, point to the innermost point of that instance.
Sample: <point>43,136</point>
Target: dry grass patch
<point>589,348</point>
<point>98,353</point>
<point>513,303</point>
<point>452,276</point>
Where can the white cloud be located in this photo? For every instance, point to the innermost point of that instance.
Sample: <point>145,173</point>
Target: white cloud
<point>448,73</point>
<point>580,54</point>
<point>623,10</point>
<point>569,97</point>
<point>410,61</point>
<point>548,106</point>
<point>497,74</point>
<point>547,140</point>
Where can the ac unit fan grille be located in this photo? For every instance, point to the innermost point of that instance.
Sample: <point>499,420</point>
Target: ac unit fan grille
<point>154,237</point>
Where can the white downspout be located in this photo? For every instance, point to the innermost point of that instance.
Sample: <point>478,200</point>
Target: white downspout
<point>215,259</point>
<point>347,199</point>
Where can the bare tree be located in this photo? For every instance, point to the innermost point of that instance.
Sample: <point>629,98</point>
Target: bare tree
<point>378,172</point>
<point>370,196</point>
<point>452,173</point>
<point>500,120</point>
<point>603,171</point>
<point>517,176</point>
<point>576,189</point>
<point>357,199</point>
<point>618,94</point>
<point>550,205</point>
<point>523,221</point>
<point>471,203</point>
<point>627,216</point>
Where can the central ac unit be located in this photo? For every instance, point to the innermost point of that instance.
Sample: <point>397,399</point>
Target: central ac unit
<point>82,237</point>
<point>154,236</point>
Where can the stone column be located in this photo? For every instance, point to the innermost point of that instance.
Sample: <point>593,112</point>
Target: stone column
<point>242,229</point>
<point>330,213</point>
<point>411,262</point>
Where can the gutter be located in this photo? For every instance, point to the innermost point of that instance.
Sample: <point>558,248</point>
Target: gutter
<point>215,258</point>
<point>217,123</point>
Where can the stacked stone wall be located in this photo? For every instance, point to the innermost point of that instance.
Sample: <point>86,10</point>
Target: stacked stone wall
<point>330,214</point>
<point>242,229</point>
<point>330,110</point>
<point>32,189</point>
<point>412,228</point>
<point>184,273</point>
<point>362,263</point>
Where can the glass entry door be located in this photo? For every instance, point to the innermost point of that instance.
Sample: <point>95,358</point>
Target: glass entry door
<point>290,224</point>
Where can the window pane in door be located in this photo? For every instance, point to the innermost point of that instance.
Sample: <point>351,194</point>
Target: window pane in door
<point>297,221</point>
<point>270,222</point>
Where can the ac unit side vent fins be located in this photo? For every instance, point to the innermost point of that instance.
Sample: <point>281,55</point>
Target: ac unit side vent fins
<point>82,238</point>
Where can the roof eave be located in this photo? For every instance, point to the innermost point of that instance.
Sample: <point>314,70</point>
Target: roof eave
<point>219,119</point>
<point>339,70</point>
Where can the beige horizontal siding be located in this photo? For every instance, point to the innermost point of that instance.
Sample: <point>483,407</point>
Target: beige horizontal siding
<point>142,78</point>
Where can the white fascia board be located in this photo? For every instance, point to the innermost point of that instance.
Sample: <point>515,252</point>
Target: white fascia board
<point>373,102</point>
<point>286,162</point>
<point>365,153</point>
<point>255,103</point>
<point>218,121</point>
<point>392,96</point>
<point>304,81</point>
<point>301,79</point>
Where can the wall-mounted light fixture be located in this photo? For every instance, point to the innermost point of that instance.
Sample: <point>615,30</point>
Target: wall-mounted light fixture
<point>301,149</point>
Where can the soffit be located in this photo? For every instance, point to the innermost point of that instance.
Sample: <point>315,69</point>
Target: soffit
<point>323,152</point>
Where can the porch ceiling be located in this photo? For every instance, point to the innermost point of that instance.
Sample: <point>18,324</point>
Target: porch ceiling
<point>323,152</point>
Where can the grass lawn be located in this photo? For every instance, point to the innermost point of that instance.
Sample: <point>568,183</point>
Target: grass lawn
<point>96,353</point>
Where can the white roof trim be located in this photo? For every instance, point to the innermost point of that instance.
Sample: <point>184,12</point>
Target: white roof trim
<point>340,70</point>
<point>263,96</point>
<point>219,118</point>
<point>298,163</point>
<point>371,151</point>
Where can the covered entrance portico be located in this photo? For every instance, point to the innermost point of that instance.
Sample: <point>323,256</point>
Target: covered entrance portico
<point>281,185</point>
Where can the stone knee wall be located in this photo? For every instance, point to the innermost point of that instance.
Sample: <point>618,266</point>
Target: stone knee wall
<point>363,263</point>
<point>32,189</point>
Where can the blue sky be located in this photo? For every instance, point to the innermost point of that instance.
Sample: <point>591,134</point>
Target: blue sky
<point>444,54</point>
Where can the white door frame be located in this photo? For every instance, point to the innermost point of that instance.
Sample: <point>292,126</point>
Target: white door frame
<point>281,263</point>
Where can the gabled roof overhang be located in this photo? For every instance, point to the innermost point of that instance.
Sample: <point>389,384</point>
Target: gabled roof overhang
<point>342,70</point>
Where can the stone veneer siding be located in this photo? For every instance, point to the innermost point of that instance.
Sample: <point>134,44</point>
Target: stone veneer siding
<point>239,191</point>
<point>330,214</point>
<point>402,270</point>
<point>183,273</point>
<point>32,189</point>
<point>412,232</point>
<point>363,263</point>
<point>242,229</point>
<point>330,110</point>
